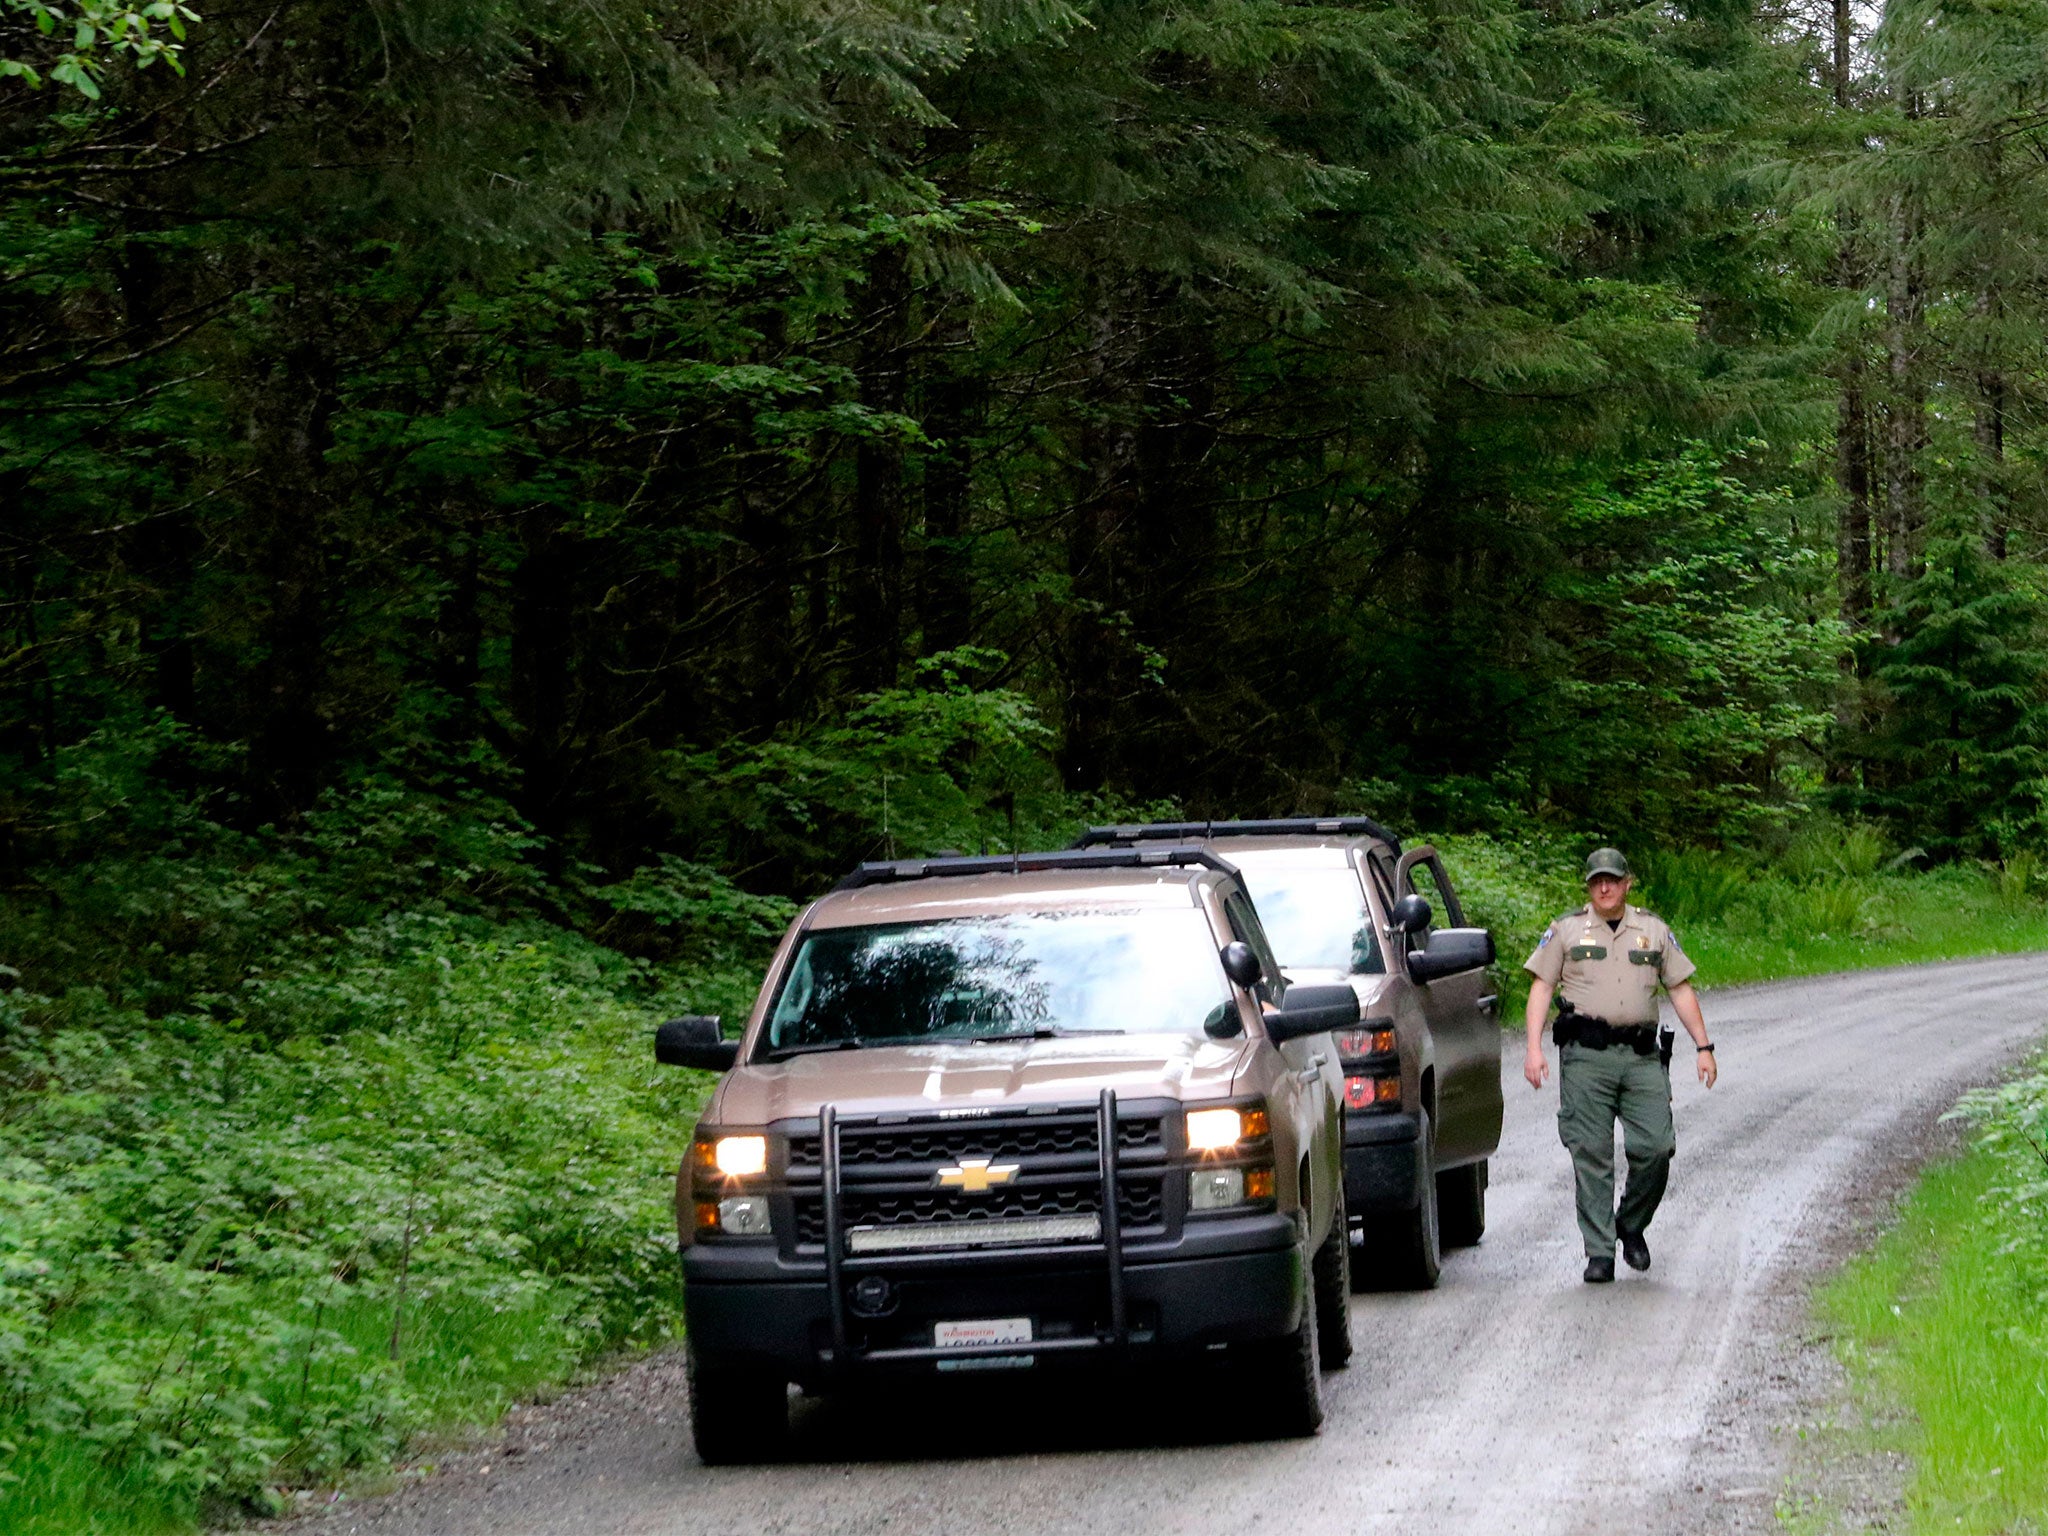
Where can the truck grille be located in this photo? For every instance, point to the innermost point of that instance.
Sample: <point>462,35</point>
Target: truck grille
<point>888,1170</point>
<point>1064,1136</point>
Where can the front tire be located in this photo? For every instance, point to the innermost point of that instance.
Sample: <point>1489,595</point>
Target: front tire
<point>1333,1292</point>
<point>737,1414</point>
<point>1287,1376</point>
<point>1410,1243</point>
<point>1461,1204</point>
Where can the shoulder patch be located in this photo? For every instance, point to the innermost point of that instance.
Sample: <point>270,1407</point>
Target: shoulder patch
<point>1673,937</point>
<point>1548,934</point>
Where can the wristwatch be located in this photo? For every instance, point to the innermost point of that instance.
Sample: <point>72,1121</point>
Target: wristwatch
<point>1708,1047</point>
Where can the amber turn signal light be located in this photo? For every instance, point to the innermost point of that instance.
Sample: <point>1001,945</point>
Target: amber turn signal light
<point>1258,1183</point>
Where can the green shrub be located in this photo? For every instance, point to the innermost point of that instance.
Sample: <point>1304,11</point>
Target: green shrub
<point>417,1178</point>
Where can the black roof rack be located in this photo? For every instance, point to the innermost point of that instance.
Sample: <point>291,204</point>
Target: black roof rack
<point>884,871</point>
<point>1181,831</point>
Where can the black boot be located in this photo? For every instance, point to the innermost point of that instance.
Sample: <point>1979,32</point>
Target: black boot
<point>1633,1249</point>
<point>1599,1271</point>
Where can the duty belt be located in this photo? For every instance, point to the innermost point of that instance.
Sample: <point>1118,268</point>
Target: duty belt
<point>1575,1028</point>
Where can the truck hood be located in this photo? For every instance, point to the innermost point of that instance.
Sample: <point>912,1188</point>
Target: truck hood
<point>922,1078</point>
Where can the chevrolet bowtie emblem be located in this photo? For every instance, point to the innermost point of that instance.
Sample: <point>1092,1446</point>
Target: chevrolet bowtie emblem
<point>975,1175</point>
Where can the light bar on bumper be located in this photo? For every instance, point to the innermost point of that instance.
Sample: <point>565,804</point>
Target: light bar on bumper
<point>974,1234</point>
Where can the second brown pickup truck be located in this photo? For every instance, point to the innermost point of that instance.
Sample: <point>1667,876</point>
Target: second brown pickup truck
<point>1344,902</point>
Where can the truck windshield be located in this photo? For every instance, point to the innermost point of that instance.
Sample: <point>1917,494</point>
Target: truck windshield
<point>1002,977</point>
<point>1316,918</point>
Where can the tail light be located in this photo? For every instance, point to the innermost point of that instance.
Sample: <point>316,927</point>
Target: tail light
<point>1372,1092</point>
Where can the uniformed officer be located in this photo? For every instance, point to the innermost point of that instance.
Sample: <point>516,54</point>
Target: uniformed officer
<point>1607,959</point>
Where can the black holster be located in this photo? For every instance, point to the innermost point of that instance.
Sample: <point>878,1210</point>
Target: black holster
<point>1576,1028</point>
<point>1664,1039</point>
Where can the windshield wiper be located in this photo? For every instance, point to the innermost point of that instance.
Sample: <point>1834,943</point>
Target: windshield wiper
<point>856,1043</point>
<point>812,1049</point>
<point>865,1041</point>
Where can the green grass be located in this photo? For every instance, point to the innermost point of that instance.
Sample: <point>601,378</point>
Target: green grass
<point>1846,926</point>
<point>63,1487</point>
<point>1944,1320</point>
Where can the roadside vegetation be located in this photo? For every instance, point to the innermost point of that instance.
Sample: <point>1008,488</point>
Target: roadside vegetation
<point>1944,1324</point>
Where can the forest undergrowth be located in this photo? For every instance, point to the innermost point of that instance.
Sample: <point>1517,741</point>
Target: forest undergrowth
<point>330,1141</point>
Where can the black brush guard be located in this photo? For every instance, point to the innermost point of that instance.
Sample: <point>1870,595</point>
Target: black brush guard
<point>839,1264</point>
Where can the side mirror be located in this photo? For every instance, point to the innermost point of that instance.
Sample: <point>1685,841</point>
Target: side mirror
<point>1450,951</point>
<point>1240,964</point>
<point>1411,914</point>
<point>1312,1011</point>
<point>694,1041</point>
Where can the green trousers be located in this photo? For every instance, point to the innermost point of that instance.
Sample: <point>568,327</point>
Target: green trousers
<point>1594,1089</point>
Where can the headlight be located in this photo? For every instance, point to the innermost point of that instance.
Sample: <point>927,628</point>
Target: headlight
<point>738,1156</point>
<point>1218,1130</point>
<point>1218,1189</point>
<point>745,1216</point>
<point>736,1216</point>
<point>1214,1130</point>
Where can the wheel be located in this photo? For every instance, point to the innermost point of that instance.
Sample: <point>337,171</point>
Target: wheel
<point>1333,1292</point>
<point>1287,1376</point>
<point>1461,1204</point>
<point>736,1414</point>
<point>1410,1243</point>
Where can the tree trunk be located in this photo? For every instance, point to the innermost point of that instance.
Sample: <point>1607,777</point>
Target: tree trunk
<point>1852,473</point>
<point>544,594</point>
<point>1988,428</point>
<point>876,589</point>
<point>952,413</point>
<point>1093,655</point>
<point>1852,414</point>
<point>1906,404</point>
<point>292,432</point>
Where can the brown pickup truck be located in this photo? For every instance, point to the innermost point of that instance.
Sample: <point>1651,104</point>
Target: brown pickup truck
<point>1016,1113</point>
<point>1344,902</point>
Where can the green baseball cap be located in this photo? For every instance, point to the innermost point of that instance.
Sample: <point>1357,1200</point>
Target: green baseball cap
<point>1606,861</point>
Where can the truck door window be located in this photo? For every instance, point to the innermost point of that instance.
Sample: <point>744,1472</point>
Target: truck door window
<point>1432,883</point>
<point>1245,925</point>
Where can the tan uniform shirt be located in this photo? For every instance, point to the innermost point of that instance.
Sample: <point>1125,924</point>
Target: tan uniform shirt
<point>1607,973</point>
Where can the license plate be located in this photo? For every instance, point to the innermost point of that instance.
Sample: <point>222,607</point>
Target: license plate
<point>982,1332</point>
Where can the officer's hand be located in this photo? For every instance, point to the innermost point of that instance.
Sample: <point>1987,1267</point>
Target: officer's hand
<point>1708,1071</point>
<point>1534,1067</point>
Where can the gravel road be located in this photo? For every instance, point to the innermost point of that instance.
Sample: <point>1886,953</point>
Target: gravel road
<point>1511,1399</point>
